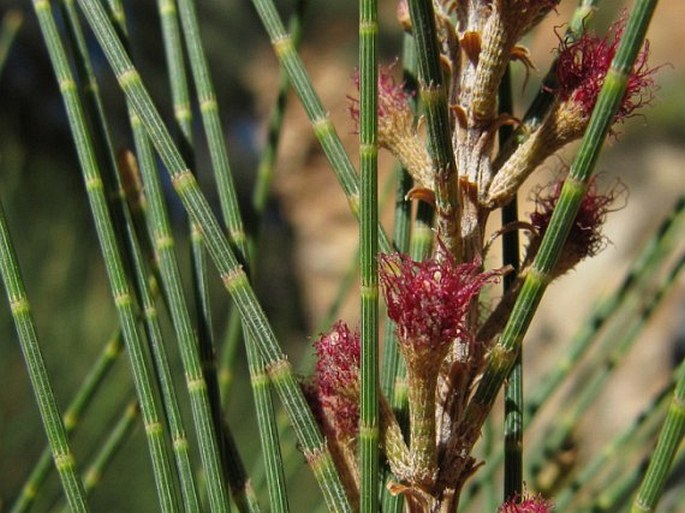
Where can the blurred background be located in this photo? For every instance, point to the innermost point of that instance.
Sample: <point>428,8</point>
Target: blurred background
<point>307,220</point>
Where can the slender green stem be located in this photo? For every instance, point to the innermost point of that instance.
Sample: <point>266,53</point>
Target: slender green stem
<point>11,23</point>
<point>260,195</point>
<point>618,342</point>
<point>110,447</point>
<point>71,418</point>
<point>163,242</point>
<point>513,389</point>
<point>145,294</point>
<point>661,459</point>
<point>241,486</point>
<point>503,355</point>
<point>47,406</point>
<point>433,95</point>
<point>617,492</point>
<point>233,276</point>
<point>178,435</point>
<point>368,244</point>
<point>655,251</point>
<point>617,446</point>
<point>209,109</point>
<point>231,214</point>
<point>123,299</point>
<point>173,45</point>
<point>323,128</point>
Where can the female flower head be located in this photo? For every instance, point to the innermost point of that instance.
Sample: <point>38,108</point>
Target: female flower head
<point>582,67</point>
<point>337,378</point>
<point>585,238</point>
<point>529,504</point>
<point>429,300</point>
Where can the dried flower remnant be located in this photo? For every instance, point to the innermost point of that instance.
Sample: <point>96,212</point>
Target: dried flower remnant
<point>529,504</point>
<point>585,238</point>
<point>337,379</point>
<point>396,129</point>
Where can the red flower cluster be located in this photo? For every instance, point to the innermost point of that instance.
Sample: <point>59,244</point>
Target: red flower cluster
<point>393,100</point>
<point>530,504</point>
<point>337,378</point>
<point>429,300</point>
<point>586,238</point>
<point>583,65</point>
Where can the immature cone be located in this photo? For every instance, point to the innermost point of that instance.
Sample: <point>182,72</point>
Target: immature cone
<point>581,69</point>
<point>585,238</point>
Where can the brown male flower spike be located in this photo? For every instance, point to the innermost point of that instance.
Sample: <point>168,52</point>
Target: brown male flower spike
<point>581,69</point>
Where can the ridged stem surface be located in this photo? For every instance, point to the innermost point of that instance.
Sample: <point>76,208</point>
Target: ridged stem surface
<point>233,276</point>
<point>368,249</point>
<point>20,307</point>
<point>433,95</point>
<point>143,379</point>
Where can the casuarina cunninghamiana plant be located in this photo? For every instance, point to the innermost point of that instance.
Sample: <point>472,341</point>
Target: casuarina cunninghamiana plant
<point>402,425</point>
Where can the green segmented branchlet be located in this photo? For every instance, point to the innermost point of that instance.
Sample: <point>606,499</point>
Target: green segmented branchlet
<point>504,353</point>
<point>233,276</point>
<point>433,95</point>
<point>323,128</point>
<point>231,214</point>
<point>229,207</point>
<point>118,436</point>
<point>650,415</point>
<point>154,427</point>
<point>178,436</point>
<point>163,242</point>
<point>173,50</point>
<point>209,110</point>
<point>369,424</point>
<point>110,447</point>
<point>620,490</point>
<point>85,393</point>
<point>513,388</point>
<point>661,459</point>
<point>619,341</point>
<point>654,253</point>
<point>20,307</point>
